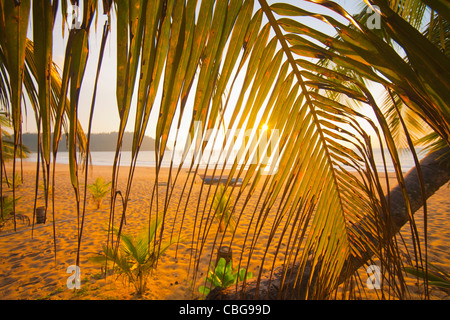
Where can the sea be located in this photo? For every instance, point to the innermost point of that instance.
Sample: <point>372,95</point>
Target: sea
<point>147,159</point>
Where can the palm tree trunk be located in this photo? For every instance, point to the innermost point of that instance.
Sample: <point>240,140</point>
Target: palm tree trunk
<point>435,173</point>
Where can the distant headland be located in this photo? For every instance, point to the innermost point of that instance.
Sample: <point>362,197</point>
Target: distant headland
<point>99,142</point>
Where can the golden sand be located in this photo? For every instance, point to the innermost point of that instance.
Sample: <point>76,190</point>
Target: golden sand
<point>28,269</point>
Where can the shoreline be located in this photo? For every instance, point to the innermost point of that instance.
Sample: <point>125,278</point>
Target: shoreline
<point>146,159</point>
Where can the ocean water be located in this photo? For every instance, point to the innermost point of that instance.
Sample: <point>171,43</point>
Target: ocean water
<point>147,159</point>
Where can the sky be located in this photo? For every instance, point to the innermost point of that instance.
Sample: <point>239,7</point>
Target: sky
<point>106,116</point>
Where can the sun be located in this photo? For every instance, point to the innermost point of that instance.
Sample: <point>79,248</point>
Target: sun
<point>265,127</point>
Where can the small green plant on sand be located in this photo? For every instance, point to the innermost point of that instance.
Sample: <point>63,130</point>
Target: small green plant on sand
<point>98,190</point>
<point>222,208</point>
<point>223,276</point>
<point>9,182</point>
<point>7,207</point>
<point>137,255</point>
<point>42,188</point>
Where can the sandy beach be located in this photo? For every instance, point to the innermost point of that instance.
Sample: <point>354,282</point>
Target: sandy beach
<point>29,269</point>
